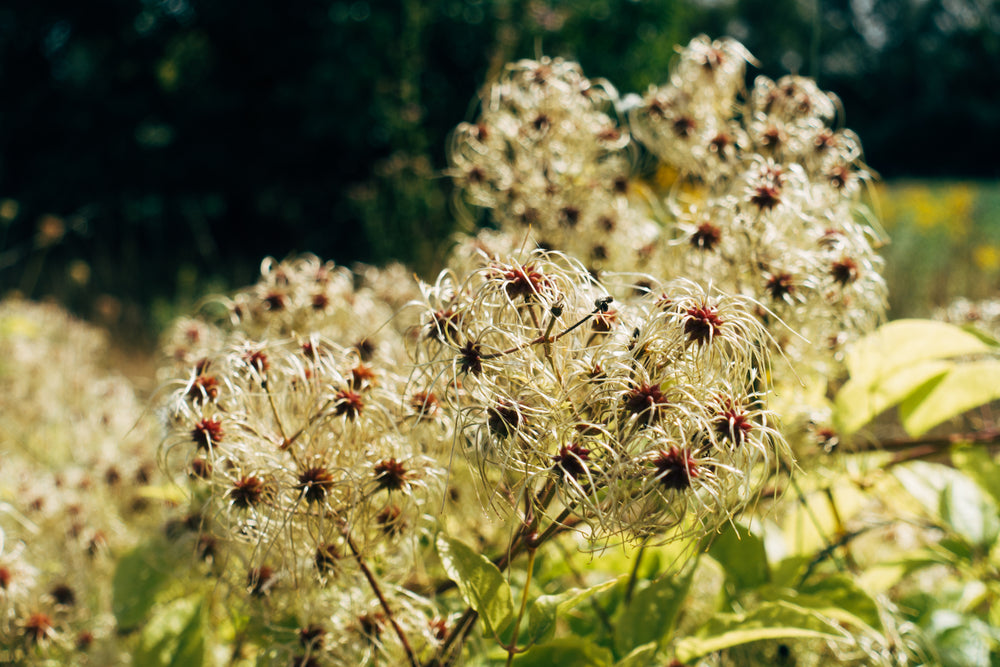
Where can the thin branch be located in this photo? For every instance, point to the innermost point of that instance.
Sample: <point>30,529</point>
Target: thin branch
<point>381,597</point>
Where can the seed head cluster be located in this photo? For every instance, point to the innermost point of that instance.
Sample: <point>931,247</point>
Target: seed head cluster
<point>77,463</point>
<point>763,191</point>
<point>621,420</point>
<point>307,449</point>
<point>600,357</point>
<point>757,192</point>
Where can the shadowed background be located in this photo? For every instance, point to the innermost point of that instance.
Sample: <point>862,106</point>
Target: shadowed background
<point>152,151</point>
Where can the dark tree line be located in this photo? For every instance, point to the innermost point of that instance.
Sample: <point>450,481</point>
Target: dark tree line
<point>174,141</point>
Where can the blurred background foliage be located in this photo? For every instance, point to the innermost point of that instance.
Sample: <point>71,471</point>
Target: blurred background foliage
<point>152,151</point>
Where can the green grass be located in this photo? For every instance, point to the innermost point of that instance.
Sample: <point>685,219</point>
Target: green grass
<point>945,243</point>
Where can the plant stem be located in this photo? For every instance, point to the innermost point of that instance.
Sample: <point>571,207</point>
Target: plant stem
<point>381,597</point>
<point>635,572</point>
<point>600,307</point>
<point>524,539</point>
<point>512,648</point>
<point>462,627</point>
<point>829,546</point>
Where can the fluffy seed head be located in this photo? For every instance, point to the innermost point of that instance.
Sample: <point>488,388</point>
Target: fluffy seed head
<point>675,468</point>
<point>326,558</point>
<point>246,491</point>
<point>571,461</point>
<point>391,475</point>
<point>207,433</point>
<point>314,483</point>
<point>702,323</point>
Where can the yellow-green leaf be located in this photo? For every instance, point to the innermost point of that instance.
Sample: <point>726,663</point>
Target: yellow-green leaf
<point>546,609</point>
<point>977,463</point>
<point>139,578</point>
<point>770,620</point>
<point>175,636</point>
<point>479,581</point>
<point>903,343</point>
<point>652,612</point>
<point>568,652</point>
<point>861,400</point>
<point>901,359</point>
<point>965,386</point>
<point>741,554</point>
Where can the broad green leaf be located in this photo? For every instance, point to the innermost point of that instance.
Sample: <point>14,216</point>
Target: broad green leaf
<point>960,640</point>
<point>838,597</point>
<point>741,554</point>
<point>139,577</point>
<point>546,609</point>
<point>897,360</point>
<point>174,636</point>
<point>480,582</point>
<point>770,620</point>
<point>927,481</point>
<point>977,464</point>
<point>879,578</point>
<point>981,335</point>
<point>587,621</point>
<point>642,656</point>
<point>905,343</point>
<point>971,513</point>
<point>568,652</point>
<point>789,571</point>
<point>861,400</point>
<point>652,612</point>
<point>950,495</point>
<point>966,386</point>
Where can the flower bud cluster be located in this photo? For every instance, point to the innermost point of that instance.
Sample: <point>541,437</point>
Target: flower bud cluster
<point>634,414</point>
<point>75,470</point>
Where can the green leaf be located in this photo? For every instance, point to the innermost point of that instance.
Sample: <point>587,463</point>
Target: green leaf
<point>568,652</point>
<point>966,386</point>
<point>771,620</point>
<point>904,343</point>
<point>174,636</point>
<point>981,334</point>
<point>861,400</point>
<point>139,577</point>
<point>642,656</point>
<point>546,609</point>
<point>789,571</point>
<point>899,359</point>
<point>590,619</point>
<point>970,513</point>
<point>926,482</point>
<point>838,597</point>
<point>951,496</point>
<point>479,581</point>
<point>960,640</point>
<point>978,465</point>
<point>652,613</point>
<point>741,554</point>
